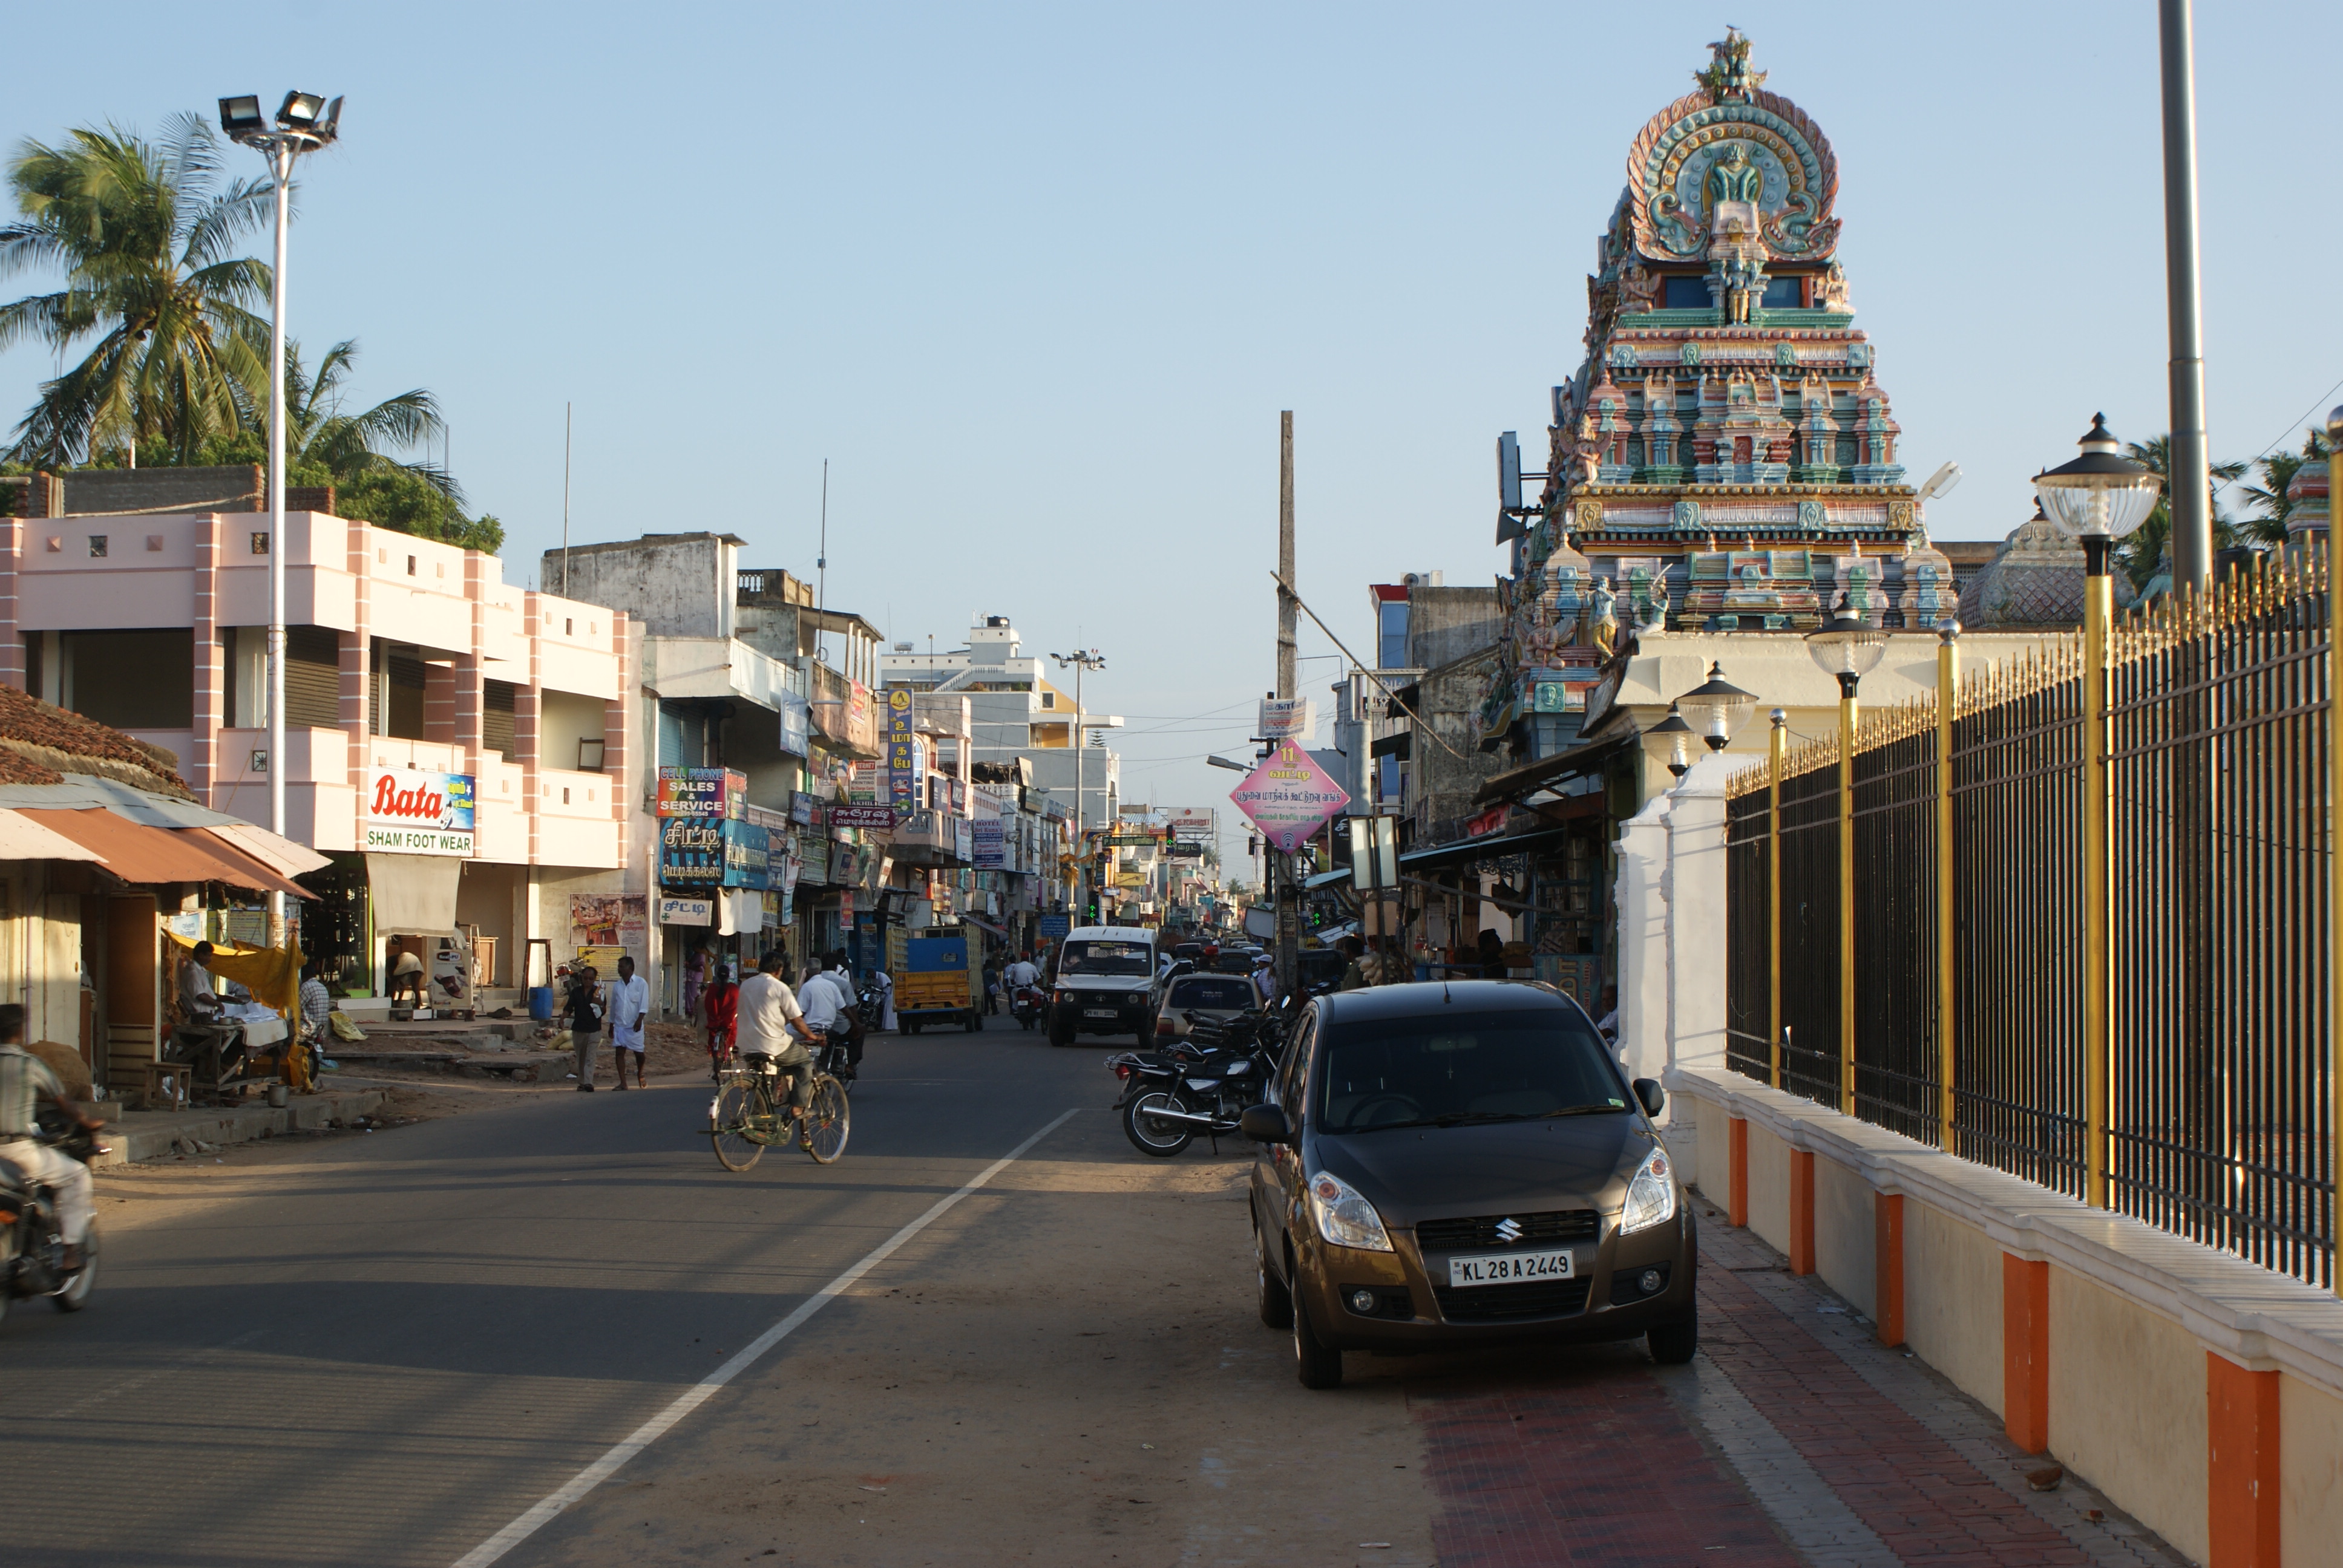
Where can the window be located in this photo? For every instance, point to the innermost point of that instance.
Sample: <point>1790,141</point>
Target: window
<point>97,545</point>
<point>410,566</point>
<point>497,716</point>
<point>1048,700</point>
<point>130,680</point>
<point>1105,958</point>
<point>1784,294</point>
<point>1459,1066</point>
<point>1682,293</point>
<point>1390,650</point>
<point>1216,991</point>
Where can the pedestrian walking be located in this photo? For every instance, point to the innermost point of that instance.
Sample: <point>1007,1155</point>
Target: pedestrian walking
<point>1492,954</point>
<point>1354,973</point>
<point>695,980</point>
<point>585,1022</point>
<point>991,985</point>
<point>631,1006</point>
<point>721,1012</point>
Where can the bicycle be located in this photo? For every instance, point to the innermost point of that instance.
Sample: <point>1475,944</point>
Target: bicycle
<point>747,1116</point>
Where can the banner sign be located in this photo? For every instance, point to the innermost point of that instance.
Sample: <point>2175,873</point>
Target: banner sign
<point>1288,796</point>
<point>861,719</point>
<point>866,784</point>
<point>802,808</point>
<point>699,853</point>
<point>701,792</point>
<point>902,752</point>
<point>1286,719</point>
<point>795,714</point>
<point>412,812</point>
<point>881,818</point>
<point>1193,822</point>
<point>687,913</point>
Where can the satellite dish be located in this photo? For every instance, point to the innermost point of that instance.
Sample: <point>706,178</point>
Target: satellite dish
<point>1941,482</point>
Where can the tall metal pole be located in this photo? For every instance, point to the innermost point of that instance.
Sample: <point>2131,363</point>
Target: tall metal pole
<point>2099,611</point>
<point>2334,821</point>
<point>2189,492</point>
<point>1777,748</point>
<point>566,409</point>
<point>1081,850</point>
<point>1289,929</point>
<point>1847,684</point>
<point>280,170</point>
<point>1948,678</point>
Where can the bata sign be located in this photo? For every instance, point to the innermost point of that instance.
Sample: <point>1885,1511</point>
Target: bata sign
<point>410,812</point>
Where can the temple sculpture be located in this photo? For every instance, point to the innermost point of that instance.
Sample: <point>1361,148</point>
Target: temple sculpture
<point>1725,458</point>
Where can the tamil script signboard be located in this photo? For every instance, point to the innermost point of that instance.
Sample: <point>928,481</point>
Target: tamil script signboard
<point>713,792</point>
<point>881,818</point>
<point>1288,796</point>
<point>1286,719</point>
<point>412,812</point>
<point>687,911</point>
<point>902,752</point>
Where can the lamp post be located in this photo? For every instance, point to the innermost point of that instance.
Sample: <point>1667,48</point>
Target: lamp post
<point>1848,648</point>
<point>1718,707</point>
<point>306,122</point>
<point>2098,498</point>
<point>1668,743</point>
<point>1082,659</point>
<point>2335,792</point>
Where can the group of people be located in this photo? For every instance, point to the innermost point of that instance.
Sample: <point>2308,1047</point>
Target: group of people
<point>625,1005</point>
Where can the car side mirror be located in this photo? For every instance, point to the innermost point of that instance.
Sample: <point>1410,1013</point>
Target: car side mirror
<point>1265,1124</point>
<point>1648,1091</point>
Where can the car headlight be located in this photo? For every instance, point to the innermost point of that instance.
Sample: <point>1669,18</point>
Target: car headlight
<point>1065,996</point>
<point>1344,1218</point>
<point>1651,1196</point>
<point>1135,998</point>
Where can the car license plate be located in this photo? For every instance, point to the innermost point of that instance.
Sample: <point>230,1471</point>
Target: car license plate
<point>1505,1267</point>
<point>1098,1012</point>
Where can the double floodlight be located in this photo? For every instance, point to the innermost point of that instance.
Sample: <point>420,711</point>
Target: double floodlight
<point>2099,495</point>
<point>309,115</point>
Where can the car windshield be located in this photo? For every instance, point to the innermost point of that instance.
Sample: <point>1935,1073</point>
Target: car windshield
<point>1210,992</point>
<point>1450,1067</point>
<point>1105,958</point>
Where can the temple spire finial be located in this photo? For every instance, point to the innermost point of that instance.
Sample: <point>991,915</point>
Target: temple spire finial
<point>1727,74</point>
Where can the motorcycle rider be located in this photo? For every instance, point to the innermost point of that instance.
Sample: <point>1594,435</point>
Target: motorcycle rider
<point>1021,976</point>
<point>26,1082</point>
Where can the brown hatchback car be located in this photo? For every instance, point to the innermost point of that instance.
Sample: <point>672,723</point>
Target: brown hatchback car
<point>1463,1163</point>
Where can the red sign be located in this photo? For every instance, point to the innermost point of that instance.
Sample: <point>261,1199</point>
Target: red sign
<point>1288,796</point>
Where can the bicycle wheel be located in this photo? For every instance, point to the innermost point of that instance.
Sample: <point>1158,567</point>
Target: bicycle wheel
<point>826,1120</point>
<point>729,1125</point>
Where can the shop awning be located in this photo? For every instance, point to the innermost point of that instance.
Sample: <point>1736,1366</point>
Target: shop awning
<point>1326,879</point>
<point>413,894</point>
<point>280,854</point>
<point>137,853</point>
<point>986,925</point>
<point>21,839</point>
<point>1571,764</point>
<point>1400,743</point>
<point>1488,847</point>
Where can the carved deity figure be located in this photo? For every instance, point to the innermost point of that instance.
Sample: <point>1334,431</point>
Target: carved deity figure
<point>1830,292</point>
<point>1639,289</point>
<point>1734,178</point>
<point>1602,616</point>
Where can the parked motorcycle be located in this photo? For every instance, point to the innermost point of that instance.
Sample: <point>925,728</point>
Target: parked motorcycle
<point>33,1246</point>
<point>1028,1002</point>
<point>1203,1084</point>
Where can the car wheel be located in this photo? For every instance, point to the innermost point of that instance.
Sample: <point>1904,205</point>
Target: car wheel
<point>1315,1362</point>
<point>1673,1344</point>
<point>1276,1300</point>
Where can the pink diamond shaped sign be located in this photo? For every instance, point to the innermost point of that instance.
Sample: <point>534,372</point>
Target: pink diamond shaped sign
<point>1288,796</point>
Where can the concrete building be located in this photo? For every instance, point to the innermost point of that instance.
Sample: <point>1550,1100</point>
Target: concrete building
<point>408,662</point>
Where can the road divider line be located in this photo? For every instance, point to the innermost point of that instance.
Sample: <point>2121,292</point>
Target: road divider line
<point>538,1517</point>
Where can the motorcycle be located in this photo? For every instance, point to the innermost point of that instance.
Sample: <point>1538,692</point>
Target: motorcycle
<point>1203,1084</point>
<point>1028,1002</point>
<point>32,1246</point>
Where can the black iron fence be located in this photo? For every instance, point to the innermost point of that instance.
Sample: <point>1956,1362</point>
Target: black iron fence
<point>2213,1078</point>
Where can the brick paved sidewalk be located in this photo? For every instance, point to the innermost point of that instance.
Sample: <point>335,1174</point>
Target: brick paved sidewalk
<point>1793,1437</point>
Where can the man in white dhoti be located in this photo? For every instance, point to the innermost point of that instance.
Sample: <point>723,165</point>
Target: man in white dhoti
<point>630,1003</point>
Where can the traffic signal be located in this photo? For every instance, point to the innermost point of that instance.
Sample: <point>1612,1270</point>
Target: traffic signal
<point>1253,845</point>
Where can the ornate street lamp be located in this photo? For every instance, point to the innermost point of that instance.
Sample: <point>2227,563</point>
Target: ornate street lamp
<point>1669,743</point>
<point>1718,707</point>
<point>1846,647</point>
<point>2098,498</point>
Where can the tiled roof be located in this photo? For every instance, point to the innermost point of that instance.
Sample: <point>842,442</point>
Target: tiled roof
<point>40,743</point>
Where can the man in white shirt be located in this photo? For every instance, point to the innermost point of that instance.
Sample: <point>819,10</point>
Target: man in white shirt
<point>629,1003</point>
<point>771,1025</point>
<point>1022,972</point>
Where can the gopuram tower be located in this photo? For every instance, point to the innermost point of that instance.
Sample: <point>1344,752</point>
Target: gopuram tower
<point>1725,458</point>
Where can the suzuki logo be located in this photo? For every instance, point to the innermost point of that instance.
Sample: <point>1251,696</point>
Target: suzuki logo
<point>1509,1229</point>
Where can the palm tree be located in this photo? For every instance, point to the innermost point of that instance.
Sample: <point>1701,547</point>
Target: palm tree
<point>2146,548</point>
<point>2271,505</point>
<point>347,446</point>
<point>145,234</point>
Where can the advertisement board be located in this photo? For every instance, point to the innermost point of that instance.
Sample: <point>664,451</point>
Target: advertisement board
<point>902,752</point>
<point>879,818</point>
<point>413,812</point>
<point>1199,824</point>
<point>687,911</point>
<point>701,792</point>
<point>1286,719</point>
<point>691,852</point>
<point>795,717</point>
<point>1288,796</point>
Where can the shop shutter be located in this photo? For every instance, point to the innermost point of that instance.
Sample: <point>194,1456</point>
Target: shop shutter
<point>497,716</point>
<point>313,677</point>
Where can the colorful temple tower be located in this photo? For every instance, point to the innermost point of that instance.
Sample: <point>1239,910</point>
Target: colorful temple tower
<point>1725,458</point>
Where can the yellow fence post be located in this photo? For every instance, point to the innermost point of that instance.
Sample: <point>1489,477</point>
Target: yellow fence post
<point>2098,608</point>
<point>1777,747</point>
<point>1948,670</point>
<point>2334,805</point>
<point>1846,897</point>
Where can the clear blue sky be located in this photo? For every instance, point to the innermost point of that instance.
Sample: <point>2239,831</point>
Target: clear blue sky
<point>1037,279</point>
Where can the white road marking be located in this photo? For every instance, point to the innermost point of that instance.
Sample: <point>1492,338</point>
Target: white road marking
<point>529,1522</point>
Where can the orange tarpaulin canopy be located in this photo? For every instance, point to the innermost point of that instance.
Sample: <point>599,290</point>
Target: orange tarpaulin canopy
<point>137,853</point>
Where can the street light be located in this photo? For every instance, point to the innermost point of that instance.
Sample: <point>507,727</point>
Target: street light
<point>1846,647</point>
<point>1719,707</point>
<point>2098,498</point>
<point>1082,659</point>
<point>1224,762</point>
<point>306,122</point>
<point>1669,742</point>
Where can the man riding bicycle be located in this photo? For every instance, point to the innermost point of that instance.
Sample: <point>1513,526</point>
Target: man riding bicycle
<point>772,1026</point>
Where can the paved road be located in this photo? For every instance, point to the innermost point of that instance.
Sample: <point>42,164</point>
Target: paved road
<point>393,1348</point>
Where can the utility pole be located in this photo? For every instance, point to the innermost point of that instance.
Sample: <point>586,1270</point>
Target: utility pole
<point>2188,490</point>
<point>1288,891</point>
